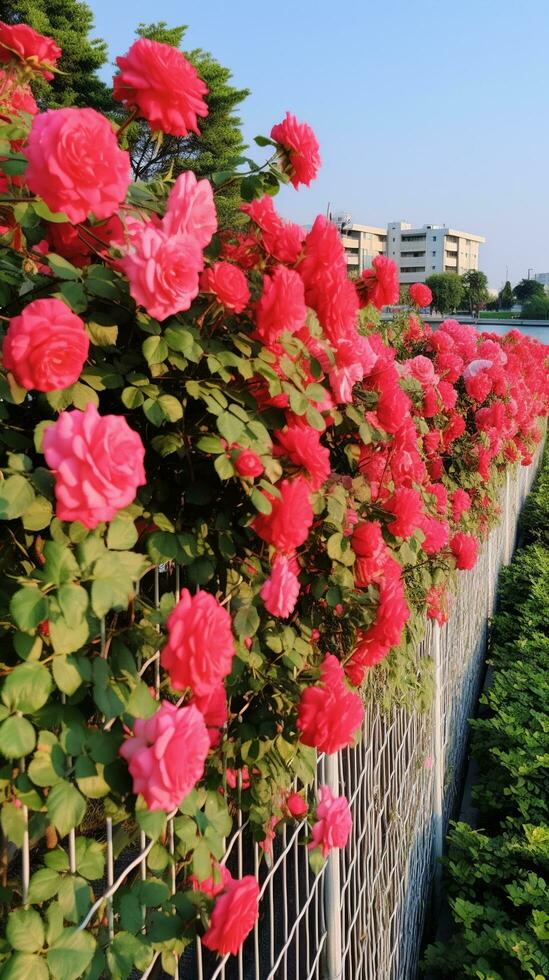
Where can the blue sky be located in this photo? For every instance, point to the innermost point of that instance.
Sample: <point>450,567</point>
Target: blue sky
<point>425,111</point>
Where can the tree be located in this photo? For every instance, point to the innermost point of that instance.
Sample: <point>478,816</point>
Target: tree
<point>506,297</point>
<point>475,290</point>
<point>220,139</point>
<point>447,290</point>
<point>528,288</point>
<point>69,22</point>
<point>536,308</point>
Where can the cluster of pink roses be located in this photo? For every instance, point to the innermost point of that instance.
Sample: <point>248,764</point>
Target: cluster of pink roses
<point>409,411</point>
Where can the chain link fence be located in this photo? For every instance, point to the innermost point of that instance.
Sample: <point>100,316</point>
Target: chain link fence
<point>362,917</point>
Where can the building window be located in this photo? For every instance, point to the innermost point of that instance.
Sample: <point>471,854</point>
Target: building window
<point>434,238</point>
<point>434,253</point>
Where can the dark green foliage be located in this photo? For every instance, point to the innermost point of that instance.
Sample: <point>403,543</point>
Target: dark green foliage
<point>528,288</point>
<point>497,876</point>
<point>447,290</point>
<point>475,290</point>
<point>69,22</point>
<point>536,308</point>
<point>506,297</point>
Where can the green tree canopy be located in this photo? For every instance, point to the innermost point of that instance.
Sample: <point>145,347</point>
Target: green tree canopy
<point>506,297</point>
<point>447,290</point>
<point>69,22</point>
<point>528,288</point>
<point>536,308</point>
<point>220,139</point>
<point>475,290</point>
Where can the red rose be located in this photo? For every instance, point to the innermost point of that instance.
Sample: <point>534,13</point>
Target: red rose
<point>300,149</point>
<point>302,446</point>
<point>329,715</point>
<point>461,502</point>
<point>97,461</point>
<point>420,294</point>
<point>46,346</point>
<point>334,822</point>
<point>436,535</point>
<point>228,283</point>
<point>287,526</point>
<point>465,550</point>
<point>234,916</point>
<point>407,507</point>
<point>165,87</point>
<point>200,648</point>
<point>247,463</point>
<point>296,805</point>
<point>281,306</point>
<point>166,755</point>
<point>163,271</point>
<point>379,285</point>
<point>75,163</point>
<point>20,42</point>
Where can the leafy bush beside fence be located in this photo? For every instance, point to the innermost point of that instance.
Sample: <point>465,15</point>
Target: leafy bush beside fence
<point>222,404</point>
<point>498,875</point>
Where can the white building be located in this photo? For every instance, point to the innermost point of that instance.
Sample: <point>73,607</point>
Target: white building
<point>420,252</point>
<point>543,278</point>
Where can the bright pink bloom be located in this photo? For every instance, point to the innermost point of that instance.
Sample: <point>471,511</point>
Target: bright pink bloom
<point>296,805</point>
<point>461,502</point>
<point>440,493</point>
<point>324,258</point>
<point>46,346</point>
<point>213,708</point>
<point>234,915</point>
<point>329,715</point>
<point>422,369</point>
<point>15,96</point>
<point>215,884</point>
<point>247,463</point>
<point>420,294</point>
<point>200,648</point>
<point>163,271</point>
<point>232,777</point>
<point>280,591</point>
<point>281,239</point>
<point>281,306</point>
<point>97,462</point>
<point>449,366</point>
<point>436,535</point>
<point>465,550</point>
<point>334,822</point>
<point>407,507</point>
<point>190,209</point>
<point>166,755</point>
<point>287,526</point>
<point>370,550</point>
<point>75,163</point>
<point>437,604</point>
<point>301,444</point>
<point>379,285</point>
<point>165,87</point>
<point>229,285</point>
<point>300,148</point>
<point>19,42</point>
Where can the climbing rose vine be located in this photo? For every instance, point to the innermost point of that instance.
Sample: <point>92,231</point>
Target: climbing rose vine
<point>230,496</point>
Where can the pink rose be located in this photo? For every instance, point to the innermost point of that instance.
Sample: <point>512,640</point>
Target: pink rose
<point>190,209</point>
<point>46,346</point>
<point>234,916</point>
<point>287,526</point>
<point>163,271</point>
<point>296,805</point>
<point>465,550</point>
<point>281,306</point>
<point>280,591</point>
<point>97,461</point>
<point>300,149</point>
<point>229,285</point>
<point>248,463</point>
<point>301,444</point>
<point>329,715</point>
<point>420,294</point>
<point>200,647</point>
<point>75,163</point>
<point>165,87</point>
<point>213,708</point>
<point>166,755</point>
<point>215,884</point>
<point>19,42</point>
<point>422,369</point>
<point>334,822</point>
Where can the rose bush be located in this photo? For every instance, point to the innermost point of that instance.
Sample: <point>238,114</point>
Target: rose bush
<point>228,492</point>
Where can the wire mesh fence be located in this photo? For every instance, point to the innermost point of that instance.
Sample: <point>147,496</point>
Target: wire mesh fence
<point>362,916</point>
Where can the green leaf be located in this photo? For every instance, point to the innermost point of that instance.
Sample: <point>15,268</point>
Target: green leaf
<point>155,350</point>
<point>152,823</point>
<point>172,407</point>
<point>67,639</point>
<point>17,737</point>
<point>112,587</point>
<point>38,515</point>
<point>246,621</point>
<point>43,211</point>
<point>70,672</point>
<point>224,467</point>
<point>48,764</point>
<point>123,952</point>
<point>73,602</point>
<point>62,268</point>
<point>132,397</point>
<point>27,687</point>
<point>101,281</point>
<point>230,427</point>
<point>122,533</point>
<point>23,966</point>
<point>44,884</point>
<point>260,501</point>
<point>13,823</point>
<point>74,295</point>
<point>153,412</point>
<point>16,495</point>
<point>89,777</point>
<point>211,444</point>
<point>264,141</point>
<point>71,954</point>
<point>66,807</point>
<point>25,931</point>
<point>102,331</point>
<point>90,858</point>
<point>61,565</point>
<point>28,607</point>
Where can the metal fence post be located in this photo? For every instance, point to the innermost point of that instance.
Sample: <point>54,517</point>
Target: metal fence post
<point>438,766</point>
<point>333,965</point>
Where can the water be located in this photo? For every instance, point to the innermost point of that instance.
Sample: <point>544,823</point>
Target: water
<point>539,332</point>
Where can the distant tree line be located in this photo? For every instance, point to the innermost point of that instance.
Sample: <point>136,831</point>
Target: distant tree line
<point>452,292</point>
